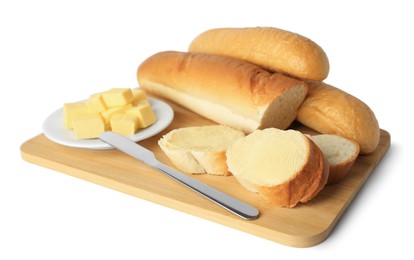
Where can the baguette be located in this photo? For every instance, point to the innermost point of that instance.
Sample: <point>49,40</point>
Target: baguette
<point>340,152</point>
<point>330,110</point>
<point>271,48</point>
<point>284,167</point>
<point>200,149</point>
<point>226,90</point>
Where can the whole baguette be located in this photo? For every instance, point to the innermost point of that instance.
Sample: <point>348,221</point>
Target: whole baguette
<point>271,48</point>
<point>226,90</point>
<point>330,110</point>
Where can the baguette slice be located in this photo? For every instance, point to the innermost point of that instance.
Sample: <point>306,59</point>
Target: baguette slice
<point>274,49</point>
<point>223,89</point>
<point>340,152</point>
<point>284,167</point>
<point>329,110</point>
<point>200,150</point>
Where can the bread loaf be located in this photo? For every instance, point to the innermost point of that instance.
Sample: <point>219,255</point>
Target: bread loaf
<point>200,149</point>
<point>330,110</point>
<point>284,167</point>
<point>226,90</point>
<point>271,48</point>
<point>340,152</point>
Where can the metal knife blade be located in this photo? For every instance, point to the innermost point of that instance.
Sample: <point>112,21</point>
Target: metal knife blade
<point>135,150</point>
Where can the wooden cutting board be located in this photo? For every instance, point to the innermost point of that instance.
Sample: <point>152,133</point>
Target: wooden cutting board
<point>303,226</point>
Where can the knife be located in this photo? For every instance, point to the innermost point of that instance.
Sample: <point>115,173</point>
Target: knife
<point>135,150</point>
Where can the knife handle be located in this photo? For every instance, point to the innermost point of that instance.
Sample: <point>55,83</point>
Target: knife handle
<point>229,203</point>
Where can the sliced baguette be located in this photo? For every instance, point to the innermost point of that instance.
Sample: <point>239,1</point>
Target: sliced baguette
<point>223,89</point>
<point>340,152</point>
<point>284,167</point>
<point>200,150</point>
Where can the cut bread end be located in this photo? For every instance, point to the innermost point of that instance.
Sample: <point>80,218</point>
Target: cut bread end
<point>200,150</point>
<point>340,152</point>
<point>284,167</point>
<point>283,110</point>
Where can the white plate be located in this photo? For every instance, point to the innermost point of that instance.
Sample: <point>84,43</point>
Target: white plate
<point>54,128</point>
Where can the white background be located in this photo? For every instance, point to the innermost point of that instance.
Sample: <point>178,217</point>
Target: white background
<point>52,52</point>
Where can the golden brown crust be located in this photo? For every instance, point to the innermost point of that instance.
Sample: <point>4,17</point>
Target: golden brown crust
<point>330,110</point>
<point>235,88</point>
<point>271,48</point>
<point>338,172</point>
<point>340,152</point>
<point>304,186</point>
<point>319,173</point>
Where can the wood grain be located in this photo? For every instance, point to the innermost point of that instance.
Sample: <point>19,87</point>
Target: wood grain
<point>303,226</point>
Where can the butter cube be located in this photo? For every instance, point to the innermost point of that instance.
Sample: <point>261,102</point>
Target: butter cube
<point>107,114</point>
<point>137,96</point>
<point>74,110</point>
<point>144,113</point>
<point>124,124</point>
<point>142,102</point>
<point>96,103</point>
<point>88,126</point>
<point>117,97</point>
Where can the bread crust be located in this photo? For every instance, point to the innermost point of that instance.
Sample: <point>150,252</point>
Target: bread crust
<point>330,110</point>
<point>272,48</point>
<point>305,185</point>
<point>223,89</point>
<point>214,162</point>
<point>333,146</point>
<point>338,172</point>
<point>191,156</point>
<point>302,185</point>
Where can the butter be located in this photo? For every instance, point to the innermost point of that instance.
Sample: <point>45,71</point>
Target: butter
<point>117,97</point>
<point>96,103</point>
<point>120,110</point>
<point>137,96</point>
<point>74,110</point>
<point>88,126</point>
<point>144,113</point>
<point>142,102</point>
<point>124,124</point>
<point>107,114</point>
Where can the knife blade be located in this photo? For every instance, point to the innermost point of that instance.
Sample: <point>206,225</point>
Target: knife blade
<point>137,151</point>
